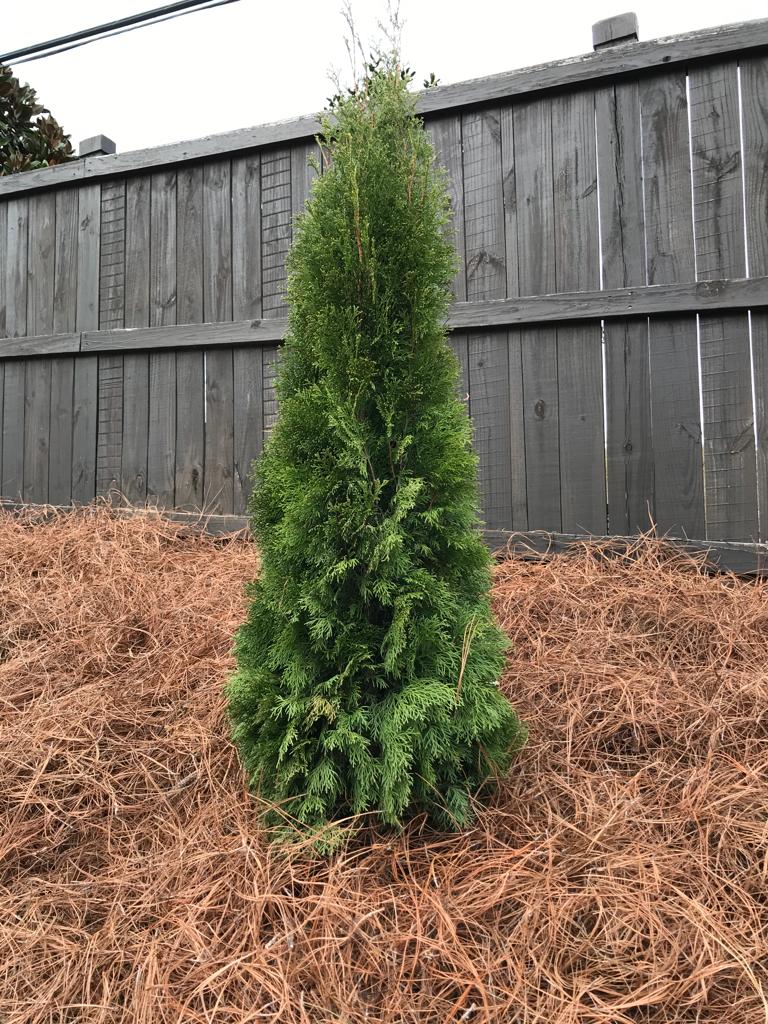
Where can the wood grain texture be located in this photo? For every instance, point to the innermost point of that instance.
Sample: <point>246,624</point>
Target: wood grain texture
<point>446,138</point>
<point>730,478</point>
<point>509,195</point>
<point>37,430</point>
<point>248,399</point>
<point>217,241</point>
<point>459,343</point>
<point>137,251</point>
<point>304,155</point>
<point>84,428</point>
<point>246,237</point>
<point>3,267</point>
<point>190,429</point>
<point>112,255</point>
<point>270,364</point>
<point>629,442</point>
<point>276,214</point>
<point>189,245</point>
<point>88,245</point>
<point>489,387</point>
<point>15,269</point>
<point>162,249</point>
<point>65,263</point>
<point>41,246</point>
<point>12,483</point>
<point>517,468</point>
<point>676,424</point>
<point>534,192</point>
<point>754,92</point>
<point>219,432</point>
<point>161,443</point>
<point>61,417</point>
<point>579,354</point>
<point>135,439</point>
<point>485,248</point>
<point>541,419</point>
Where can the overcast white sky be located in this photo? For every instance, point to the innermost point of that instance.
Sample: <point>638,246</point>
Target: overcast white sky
<point>260,60</point>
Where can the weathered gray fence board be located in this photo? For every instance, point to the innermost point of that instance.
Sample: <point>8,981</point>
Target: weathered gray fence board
<point>579,357</point>
<point>219,432</point>
<point>162,250</point>
<point>189,245</point>
<point>509,197</point>
<point>112,255</point>
<point>248,404</point>
<point>628,443</point>
<point>84,429</point>
<point>161,435</point>
<point>16,268</point>
<point>136,400</point>
<point>246,237</point>
<point>217,241</point>
<point>137,215</point>
<point>517,468</point>
<point>542,427</point>
<point>446,138</point>
<point>109,445</point>
<point>65,263</point>
<point>270,363</point>
<point>88,244</point>
<point>13,430</point>
<point>3,270</point>
<point>675,415</point>
<point>190,429</point>
<point>489,387</point>
<point>41,242</point>
<point>485,250</point>
<point>60,452</point>
<point>730,480</point>
<point>37,430</point>
<point>754,90</point>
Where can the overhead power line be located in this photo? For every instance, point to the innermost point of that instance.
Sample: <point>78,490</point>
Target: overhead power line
<point>110,28</point>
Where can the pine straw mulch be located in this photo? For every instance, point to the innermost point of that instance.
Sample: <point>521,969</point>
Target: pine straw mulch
<point>620,876</point>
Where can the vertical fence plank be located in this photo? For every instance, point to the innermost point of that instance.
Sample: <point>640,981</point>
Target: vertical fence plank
<point>675,415</point>
<point>517,433</point>
<point>579,348</point>
<point>37,430</point>
<point>190,429</point>
<point>509,196</point>
<point>270,364</point>
<point>2,398</point>
<point>162,249</point>
<point>109,446</point>
<point>189,245</point>
<point>483,206</point>
<point>246,237</point>
<point>13,431</point>
<point>730,479</point>
<point>459,343</point>
<point>754,91</point>
<point>629,443</point>
<point>219,432</point>
<point>41,243</point>
<point>248,420</point>
<point>534,205</point>
<point>446,138</point>
<point>275,228</point>
<point>15,269</point>
<point>88,245</point>
<point>217,242</point>
<point>84,428</point>
<point>3,270</point>
<point>65,263</point>
<point>137,228</point>
<point>112,255</point>
<point>136,397</point>
<point>60,452</point>
<point>161,445</point>
<point>489,387</point>
<point>302,175</point>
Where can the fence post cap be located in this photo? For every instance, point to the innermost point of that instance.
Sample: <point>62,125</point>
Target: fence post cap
<point>97,145</point>
<point>621,28</point>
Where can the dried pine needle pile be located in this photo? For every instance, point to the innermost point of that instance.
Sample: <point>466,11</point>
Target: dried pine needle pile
<point>621,875</point>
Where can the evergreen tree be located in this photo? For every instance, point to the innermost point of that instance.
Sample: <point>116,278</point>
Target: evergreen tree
<point>368,667</point>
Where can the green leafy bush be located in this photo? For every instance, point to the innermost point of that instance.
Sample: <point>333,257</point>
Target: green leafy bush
<point>368,667</point>
<point>29,136</point>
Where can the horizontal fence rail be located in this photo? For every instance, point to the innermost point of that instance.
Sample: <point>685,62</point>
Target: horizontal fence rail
<point>610,316</point>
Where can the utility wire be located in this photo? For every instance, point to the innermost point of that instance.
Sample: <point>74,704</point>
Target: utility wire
<point>111,28</point>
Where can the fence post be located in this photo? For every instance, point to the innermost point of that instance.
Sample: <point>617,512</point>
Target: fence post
<point>97,145</point>
<point>621,28</point>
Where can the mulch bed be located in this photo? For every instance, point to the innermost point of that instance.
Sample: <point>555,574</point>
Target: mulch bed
<point>619,876</point>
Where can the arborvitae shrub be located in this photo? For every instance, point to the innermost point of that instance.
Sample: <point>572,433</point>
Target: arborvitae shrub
<point>368,667</point>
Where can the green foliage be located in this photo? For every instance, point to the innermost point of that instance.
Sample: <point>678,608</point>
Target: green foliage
<point>368,666</point>
<point>29,136</point>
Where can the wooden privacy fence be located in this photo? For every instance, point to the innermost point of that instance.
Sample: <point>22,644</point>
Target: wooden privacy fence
<point>611,314</point>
